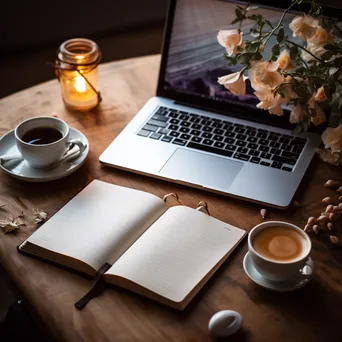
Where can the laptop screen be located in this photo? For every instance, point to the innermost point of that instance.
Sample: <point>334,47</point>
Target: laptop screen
<point>195,58</point>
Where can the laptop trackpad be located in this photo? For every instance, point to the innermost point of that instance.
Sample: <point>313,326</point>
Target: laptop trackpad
<point>202,169</point>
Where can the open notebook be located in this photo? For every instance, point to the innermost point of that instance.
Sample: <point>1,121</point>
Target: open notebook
<point>164,253</point>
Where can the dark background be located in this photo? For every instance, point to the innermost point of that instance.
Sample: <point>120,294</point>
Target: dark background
<point>31,32</point>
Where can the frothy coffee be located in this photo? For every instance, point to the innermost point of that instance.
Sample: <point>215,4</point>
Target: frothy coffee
<point>279,244</point>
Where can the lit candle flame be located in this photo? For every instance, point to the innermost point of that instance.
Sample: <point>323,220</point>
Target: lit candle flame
<point>80,84</point>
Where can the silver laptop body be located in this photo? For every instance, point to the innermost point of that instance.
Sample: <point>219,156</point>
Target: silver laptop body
<point>225,153</point>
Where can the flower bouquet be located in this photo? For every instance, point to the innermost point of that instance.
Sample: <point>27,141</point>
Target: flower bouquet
<point>304,74</point>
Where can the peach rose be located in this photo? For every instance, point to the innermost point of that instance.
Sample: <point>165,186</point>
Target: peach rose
<point>316,50</point>
<point>316,44</point>
<point>332,138</point>
<point>271,102</point>
<point>304,27</point>
<point>230,39</point>
<point>288,90</point>
<point>329,157</point>
<point>297,114</point>
<point>234,82</point>
<point>284,61</point>
<point>319,118</point>
<point>320,96</point>
<point>264,76</point>
<point>321,37</point>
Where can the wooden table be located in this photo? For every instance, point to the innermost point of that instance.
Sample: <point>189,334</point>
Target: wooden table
<point>313,313</point>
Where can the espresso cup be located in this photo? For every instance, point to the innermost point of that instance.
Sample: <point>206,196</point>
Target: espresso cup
<point>280,269</point>
<point>44,155</point>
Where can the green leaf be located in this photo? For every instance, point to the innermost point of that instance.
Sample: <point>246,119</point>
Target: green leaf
<point>281,93</point>
<point>317,82</point>
<point>327,90</point>
<point>317,11</point>
<point>276,50</point>
<point>294,101</point>
<point>255,17</point>
<point>257,56</point>
<point>231,60</point>
<point>244,58</point>
<point>312,112</point>
<point>337,62</point>
<point>301,69</point>
<point>238,13</point>
<point>306,122</point>
<point>300,89</point>
<point>297,129</point>
<point>327,55</point>
<point>274,58</point>
<point>332,71</point>
<point>331,47</point>
<point>236,20</point>
<point>280,35</point>
<point>293,52</point>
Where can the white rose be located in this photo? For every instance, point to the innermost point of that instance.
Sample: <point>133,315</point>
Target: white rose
<point>230,39</point>
<point>234,82</point>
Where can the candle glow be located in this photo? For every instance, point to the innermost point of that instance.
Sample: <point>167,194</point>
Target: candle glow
<point>78,74</point>
<point>80,84</point>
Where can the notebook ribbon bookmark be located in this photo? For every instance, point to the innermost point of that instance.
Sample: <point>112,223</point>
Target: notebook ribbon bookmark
<point>96,287</point>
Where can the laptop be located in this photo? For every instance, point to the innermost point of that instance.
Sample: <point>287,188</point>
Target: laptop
<point>195,132</point>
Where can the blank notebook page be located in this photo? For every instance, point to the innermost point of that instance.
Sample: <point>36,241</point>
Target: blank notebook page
<point>100,223</point>
<point>176,252</point>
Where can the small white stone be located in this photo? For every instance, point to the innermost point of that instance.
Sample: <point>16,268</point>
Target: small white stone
<point>225,323</point>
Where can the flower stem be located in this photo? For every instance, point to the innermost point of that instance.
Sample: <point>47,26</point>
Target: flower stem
<point>303,48</point>
<point>279,23</point>
<point>299,56</point>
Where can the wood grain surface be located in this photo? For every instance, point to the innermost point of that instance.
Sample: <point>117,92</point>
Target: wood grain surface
<point>312,313</point>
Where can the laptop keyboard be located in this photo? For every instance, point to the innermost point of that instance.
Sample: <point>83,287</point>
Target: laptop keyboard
<point>242,142</point>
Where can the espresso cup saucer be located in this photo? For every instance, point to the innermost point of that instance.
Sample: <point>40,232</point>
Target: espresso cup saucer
<point>21,170</point>
<point>280,286</point>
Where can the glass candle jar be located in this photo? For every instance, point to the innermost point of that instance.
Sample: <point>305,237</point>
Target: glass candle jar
<point>77,71</point>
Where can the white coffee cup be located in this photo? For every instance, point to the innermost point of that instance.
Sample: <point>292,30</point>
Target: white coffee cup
<point>280,270</point>
<point>45,155</point>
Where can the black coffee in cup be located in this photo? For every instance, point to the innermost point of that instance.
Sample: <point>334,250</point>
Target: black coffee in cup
<point>42,135</point>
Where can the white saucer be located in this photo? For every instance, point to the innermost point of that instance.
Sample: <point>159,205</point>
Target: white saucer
<point>281,286</point>
<point>23,171</point>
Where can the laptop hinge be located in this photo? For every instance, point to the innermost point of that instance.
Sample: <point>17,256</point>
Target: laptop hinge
<point>233,112</point>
